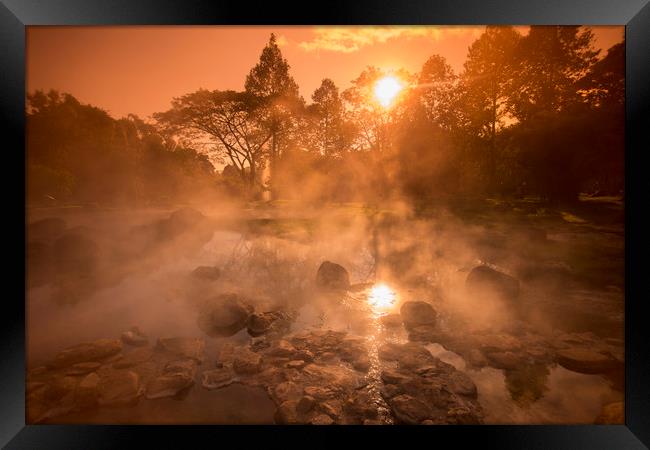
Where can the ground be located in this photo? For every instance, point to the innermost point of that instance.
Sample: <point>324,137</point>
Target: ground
<point>550,351</point>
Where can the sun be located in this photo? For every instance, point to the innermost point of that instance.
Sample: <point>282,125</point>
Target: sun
<point>386,89</point>
<point>381,297</point>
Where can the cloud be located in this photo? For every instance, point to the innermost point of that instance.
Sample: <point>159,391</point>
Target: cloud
<point>282,41</point>
<point>352,39</point>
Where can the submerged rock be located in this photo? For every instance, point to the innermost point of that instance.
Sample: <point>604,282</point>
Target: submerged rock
<point>483,280</point>
<point>332,276</point>
<point>87,352</point>
<point>224,315</point>
<point>417,313</point>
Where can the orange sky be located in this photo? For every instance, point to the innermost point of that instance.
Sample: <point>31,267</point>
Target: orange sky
<point>138,69</point>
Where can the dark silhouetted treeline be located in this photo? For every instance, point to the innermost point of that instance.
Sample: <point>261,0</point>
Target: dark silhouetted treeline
<point>540,115</point>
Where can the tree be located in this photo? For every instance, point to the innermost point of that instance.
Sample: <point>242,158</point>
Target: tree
<point>551,60</point>
<point>275,95</point>
<point>487,86</point>
<point>435,91</point>
<point>230,122</point>
<point>330,129</point>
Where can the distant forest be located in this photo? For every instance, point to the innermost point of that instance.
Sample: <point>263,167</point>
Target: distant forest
<point>535,115</point>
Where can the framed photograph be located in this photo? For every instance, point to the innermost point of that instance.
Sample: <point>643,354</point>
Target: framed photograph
<point>255,218</point>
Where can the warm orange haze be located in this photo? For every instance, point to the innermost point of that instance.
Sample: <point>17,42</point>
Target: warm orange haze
<point>325,225</point>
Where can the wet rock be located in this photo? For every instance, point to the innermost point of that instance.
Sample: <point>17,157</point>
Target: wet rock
<point>332,276</point>
<point>118,388</point>
<point>462,416</point>
<point>391,320</point>
<point>87,393</point>
<point>409,410</point>
<point>483,280</point>
<point>613,413</point>
<point>247,362</point>
<point>273,322</point>
<point>83,368</point>
<point>461,384</point>
<point>305,404</point>
<point>134,337</point>
<point>48,228</point>
<point>208,273</point>
<point>361,406</point>
<point>286,414</point>
<point>417,313</point>
<point>584,360</point>
<point>134,357</point>
<point>499,343</point>
<point>183,347</point>
<point>332,408</point>
<point>169,385</point>
<point>296,364</point>
<point>321,392</point>
<point>87,352</point>
<point>59,388</point>
<point>504,360</point>
<point>287,391</point>
<point>186,367</point>
<point>224,315</point>
<point>322,419</point>
<point>217,378</point>
<point>282,348</point>
<point>372,422</point>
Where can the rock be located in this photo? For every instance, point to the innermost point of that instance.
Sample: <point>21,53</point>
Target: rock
<point>461,384</point>
<point>186,367</point>
<point>362,363</point>
<point>87,393</point>
<point>320,392</point>
<point>409,355</point>
<point>499,343</point>
<point>87,352</point>
<point>613,413</point>
<point>372,422</point>
<point>179,222</point>
<point>132,338</point>
<point>286,413</point>
<point>75,253</point>
<point>207,273</point>
<point>391,376</point>
<point>409,410</point>
<point>322,419</point>
<point>273,322</point>
<point>462,416</point>
<point>59,388</point>
<point>247,362</point>
<point>391,320</point>
<point>224,315</point>
<point>169,384</point>
<point>287,390</point>
<point>296,364</point>
<point>332,276</point>
<point>504,360</point>
<point>483,280</point>
<point>305,404</point>
<point>83,368</point>
<point>184,347</point>
<point>585,360</point>
<point>118,388</point>
<point>417,313</point>
<point>134,357</point>
<point>282,349</point>
<point>217,378</point>
<point>332,408</point>
<point>48,228</point>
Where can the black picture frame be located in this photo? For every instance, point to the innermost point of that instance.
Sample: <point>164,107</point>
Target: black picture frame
<point>15,15</point>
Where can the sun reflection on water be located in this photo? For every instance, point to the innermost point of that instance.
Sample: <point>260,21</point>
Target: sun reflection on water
<point>381,298</point>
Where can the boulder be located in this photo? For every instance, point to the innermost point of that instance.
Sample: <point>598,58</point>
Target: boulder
<point>192,348</point>
<point>119,388</point>
<point>179,222</point>
<point>134,337</point>
<point>587,361</point>
<point>409,410</point>
<point>207,273</point>
<point>169,384</point>
<point>417,313</point>
<point>217,378</point>
<point>246,362</point>
<point>273,322</point>
<point>87,352</point>
<point>286,414</point>
<point>332,276</point>
<point>224,315</point>
<point>485,281</point>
